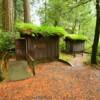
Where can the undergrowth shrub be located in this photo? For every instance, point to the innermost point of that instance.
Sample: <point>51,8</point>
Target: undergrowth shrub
<point>62,45</point>
<point>6,41</point>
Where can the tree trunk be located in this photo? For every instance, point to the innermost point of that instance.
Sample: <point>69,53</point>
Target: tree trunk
<point>45,12</point>
<point>27,18</point>
<point>74,26</point>
<point>97,33</point>
<point>8,15</point>
<point>55,23</point>
<point>15,10</point>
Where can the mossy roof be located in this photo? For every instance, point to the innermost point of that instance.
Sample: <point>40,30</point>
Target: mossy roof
<point>79,37</point>
<point>46,31</point>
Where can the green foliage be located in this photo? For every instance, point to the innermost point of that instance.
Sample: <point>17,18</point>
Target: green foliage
<point>0,30</point>
<point>1,13</point>
<point>98,59</point>
<point>6,40</point>
<point>76,16</point>
<point>52,11</point>
<point>88,46</point>
<point>18,9</point>
<point>45,31</point>
<point>51,31</point>
<point>99,48</point>
<point>75,37</point>
<point>62,45</point>
<point>26,28</point>
<point>65,57</point>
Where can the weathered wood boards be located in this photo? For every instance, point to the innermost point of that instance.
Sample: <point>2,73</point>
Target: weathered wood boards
<point>20,49</point>
<point>74,46</point>
<point>40,48</point>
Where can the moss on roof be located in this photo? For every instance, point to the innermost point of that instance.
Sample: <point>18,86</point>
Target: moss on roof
<point>46,31</point>
<point>80,37</point>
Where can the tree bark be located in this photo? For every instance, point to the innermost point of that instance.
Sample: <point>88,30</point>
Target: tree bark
<point>15,10</point>
<point>55,23</point>
<point>45,11</point>
<point>97,33</point>
<point>8,15</point>
<point>74,26</point>
<point>27,18</point>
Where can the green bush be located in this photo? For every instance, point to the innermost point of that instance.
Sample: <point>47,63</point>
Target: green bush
<point>0,30</point>
<point>6,41</point>
<point>62,45</point>
<point>88,46</point>
<point>45,31</point>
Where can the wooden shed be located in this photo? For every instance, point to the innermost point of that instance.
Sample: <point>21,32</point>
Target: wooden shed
<point>74,46</point>
<point>42,48</point>
<point>41,42</point>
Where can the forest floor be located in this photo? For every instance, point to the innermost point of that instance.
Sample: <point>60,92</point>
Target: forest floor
<point>56,81</point>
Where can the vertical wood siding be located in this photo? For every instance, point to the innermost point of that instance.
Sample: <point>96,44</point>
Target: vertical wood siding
<point>43,48</point>
<point>20,49</point>
<point>75,46</point>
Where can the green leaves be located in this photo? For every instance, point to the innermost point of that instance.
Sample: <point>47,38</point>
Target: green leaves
<point>25,27</point>
<point>44,30</point>
<point>6,40</point>
<point>51,31</point>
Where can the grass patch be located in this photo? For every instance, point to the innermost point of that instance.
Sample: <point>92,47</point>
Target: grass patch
<point>65,57</point>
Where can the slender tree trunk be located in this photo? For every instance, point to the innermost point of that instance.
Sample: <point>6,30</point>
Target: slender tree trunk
<point>74,26</point>
<point>45,11</point>
<point>15,10</point>
<point>0,13</point>
<point>55,23</point>
<point>27,18</point>
<point>97,33</point>
<point>8,15</point>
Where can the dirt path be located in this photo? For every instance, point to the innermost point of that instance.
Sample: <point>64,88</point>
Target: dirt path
<point>56,81</point>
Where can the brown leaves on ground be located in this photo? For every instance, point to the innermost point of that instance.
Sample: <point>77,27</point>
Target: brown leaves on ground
<point>55,81</point>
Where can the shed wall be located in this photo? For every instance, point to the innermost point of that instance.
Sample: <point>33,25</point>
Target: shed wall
<point>43,48</point>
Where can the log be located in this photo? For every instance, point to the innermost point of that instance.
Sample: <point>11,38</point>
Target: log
<point>31,63</point>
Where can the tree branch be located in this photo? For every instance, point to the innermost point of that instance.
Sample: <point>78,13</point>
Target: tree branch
<point>80,4</point>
